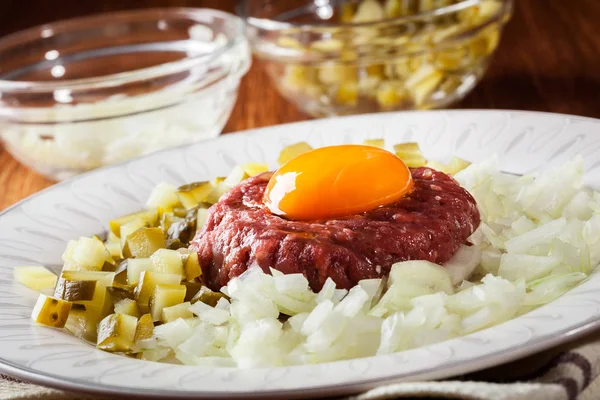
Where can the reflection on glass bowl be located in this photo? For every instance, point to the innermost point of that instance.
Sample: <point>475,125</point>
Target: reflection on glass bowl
<point>347,57</point>
<point>83,93</point>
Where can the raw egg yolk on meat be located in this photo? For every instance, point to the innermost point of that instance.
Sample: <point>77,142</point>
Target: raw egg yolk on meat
<point>336,181</point>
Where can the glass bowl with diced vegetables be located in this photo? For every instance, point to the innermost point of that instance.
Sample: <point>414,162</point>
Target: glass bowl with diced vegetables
<point>357,56</point>
<point>84,93</point>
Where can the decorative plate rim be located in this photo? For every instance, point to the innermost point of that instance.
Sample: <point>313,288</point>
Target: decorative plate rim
<point>448,368</point>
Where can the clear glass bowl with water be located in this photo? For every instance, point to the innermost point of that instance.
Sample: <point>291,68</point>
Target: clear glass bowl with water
<point>84,93</point>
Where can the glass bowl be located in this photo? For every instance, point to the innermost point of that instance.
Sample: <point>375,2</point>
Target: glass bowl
<point>83,93</point>
<point>346,57</point>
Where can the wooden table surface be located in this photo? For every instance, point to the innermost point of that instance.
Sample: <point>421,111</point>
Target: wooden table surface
<point>547,61</point>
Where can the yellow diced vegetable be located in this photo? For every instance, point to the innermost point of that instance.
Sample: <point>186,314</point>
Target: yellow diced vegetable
<point>165,296</point>
<point>330,74</point>
<point>201,217</point>
<point>81,325</point>
<point>150,218</point>
<point>116,333</point>
<point>135,267</point>
<point>327,46</point>
<point>375,143</point>
<point>347,93</point>
<point>50,311</point>
<point>114,248</point>
<point>129,228</point>
<point>217,192</point>
<point>163,198</point>
<point>288,42</point>
<point>128,307</point>
<point>145,328</point>
<point>389,96</point>
<point>167,261</point>
<point>75,291</point>
<point>423,83</point>
<point>147,284</point>
<point>35,277</point>
<point>368,11</point>
<point>410,153</point>
<point>86,254</point>
<point>253,169</point>
<point>292,151</point>
<point>99,298</point>
<point>194,193</point>
<point>170,314</point>
<point>191,267</point>
<point>144,242</point>
<point>207,296</point>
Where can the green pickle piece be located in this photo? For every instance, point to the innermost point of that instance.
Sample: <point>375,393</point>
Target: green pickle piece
<point>144,242</point>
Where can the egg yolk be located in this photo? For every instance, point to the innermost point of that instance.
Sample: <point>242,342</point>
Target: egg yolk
<point>337,181</point>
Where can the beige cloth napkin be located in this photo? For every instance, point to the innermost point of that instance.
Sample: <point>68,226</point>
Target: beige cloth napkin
<point>564,373</point>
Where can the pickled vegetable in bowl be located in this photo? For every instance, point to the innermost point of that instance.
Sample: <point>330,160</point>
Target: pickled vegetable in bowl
<point>363,56</point>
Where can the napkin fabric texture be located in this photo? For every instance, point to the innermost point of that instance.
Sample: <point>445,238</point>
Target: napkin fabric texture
<point>564,373</point>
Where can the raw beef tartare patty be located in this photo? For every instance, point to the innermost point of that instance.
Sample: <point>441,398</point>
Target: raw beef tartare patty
<point>428,224</point>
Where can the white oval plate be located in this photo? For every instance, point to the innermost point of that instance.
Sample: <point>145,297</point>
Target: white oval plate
<point>35,232</point>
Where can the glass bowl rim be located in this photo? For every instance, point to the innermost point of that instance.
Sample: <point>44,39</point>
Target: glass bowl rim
<point>274,25</point>
<point>120,78</point>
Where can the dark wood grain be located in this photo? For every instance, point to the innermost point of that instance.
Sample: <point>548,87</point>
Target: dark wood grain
<point>547,61</point>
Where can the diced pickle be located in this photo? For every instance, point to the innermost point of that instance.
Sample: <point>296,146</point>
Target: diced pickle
<point>347,93</point>
<point>393,8</point>
<point>170,314</point>
<point>35,277</point>
<point>347,11</point>
<point>207,296</point>
<point>389,95</point>
<point>182,228</point>
<point>50,311</point>
<point>217,192</point>
<point>144,242</point>
<point>135,267</point>
<point>411,154</point>
<point>118,294</point>
<point>163,198</point>
<point>175,244</point>
<point>116,333</point>
<point>164,296</point>
<point>129,228</point>
<point>75,291</point>
<point>167,261</point>
<point>121,272</point>
<point>145,328</point>
<point>423,83</point>
<point>149,217</point>
<point>375,143</point>
<point>253,169</point>
<point>336,73</point>
<point>194,193</point>
<point>191,289</point>
<point>128,307</point>
<point>191,267</point>
<point>114,248</point>
<point>100,301</point>
<point>201,218</point>
<point>368,11</point>
<point>81,325</point>
<point>147,284</point>
<point>292,151</point>
<point>86,254</point>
